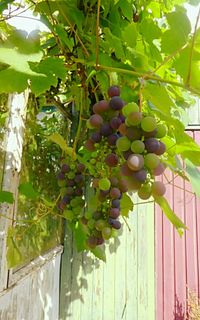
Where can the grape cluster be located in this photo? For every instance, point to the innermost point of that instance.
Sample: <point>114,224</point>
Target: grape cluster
<point>142,149</point>
<point>71,182</point>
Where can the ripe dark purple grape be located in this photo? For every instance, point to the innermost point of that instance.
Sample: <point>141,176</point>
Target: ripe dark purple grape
<point>133,133</point>
<point>115,122</point>
<point>115,193</point>
<point>116,103</point>
<point>116,224</point>
<point>115,203</point>
<point>158,188</point>
<point>140,175</point>
<point>122,129</point>
<point>111,160</point>
<point>69,191</point>
<point>150,134</point>
<point>78,178</point>
<point>70,182</point>
<point>161,149</point>
<point>65,168</point>
<point>127,153</point>
<point>60,176</point>
<point>159,169</point>
<point>135,162</point>
<point>112,139</point>
<point>125,170</point>
<point>114,213</point>
<point>114,181</point>
<point>78,192</point>
<point>113,91</point>
<point>96,137</point>
<point>106,130</point>
<point>101,106</point>
<point>152,145</point>
<point>100,241</point>
<point>123,187</point>
<point>96,121</point>
<point>61,205</point>
<point>66,199</point>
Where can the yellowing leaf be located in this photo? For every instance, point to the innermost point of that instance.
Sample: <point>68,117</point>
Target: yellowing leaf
<point>58,139</point>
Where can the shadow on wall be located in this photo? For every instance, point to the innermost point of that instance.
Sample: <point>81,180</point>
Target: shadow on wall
<point>179,312</point>
<point>77,275</point>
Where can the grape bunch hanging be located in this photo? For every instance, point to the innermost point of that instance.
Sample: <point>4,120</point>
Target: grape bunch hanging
<point>126,154</point>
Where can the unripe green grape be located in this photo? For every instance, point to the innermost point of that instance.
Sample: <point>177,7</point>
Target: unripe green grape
<point>88,215</point>
<point>148,124</point>
<point>100,224</point>
<point>106,233</point>
<point>145,191</point>
<point>63,191</point>
<point>134,118</point>
<point>114,233</point>
<point>161,130</point>
<point>62,183</point>
<point>71,175</point>
<point>130,107</point>
<point>137,146</point>
<point>91,223</point>
<point>123,143</point>
<point>104,184</point>
<point>68,214</point>
<point>151,160</point>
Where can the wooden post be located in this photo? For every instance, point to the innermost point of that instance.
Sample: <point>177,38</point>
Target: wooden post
<point>13,144</point>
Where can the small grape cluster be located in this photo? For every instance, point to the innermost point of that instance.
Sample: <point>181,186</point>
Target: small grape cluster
<point>71,182</point>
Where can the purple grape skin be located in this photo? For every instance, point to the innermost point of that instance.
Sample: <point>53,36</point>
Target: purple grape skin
<point>114,181</point>
<point>116,224</point>
<point>70,182</point>
<point>96,137</point>
<point>116,103</point>
<point>106,130</point>
<point>140,175</point>
<point>78,178</point>
<point>115,203</point>
<point>97,215</point>
<point>78,192</point>
<point>100,241</point>
<point>150,134</point>
<point>80,167</point>
<point>112,139</point>
<point>66,199</point>
<point>104,193</point>
<point>115,193</point>
<point>161,149</point>
<point>113,91</point>
<point>127,153</point>
<point>92,242</point>
<point>111,160</point>
<point>115,122</point>
<point>60,176</point>
<point>69,191</point>
<point>122,118</point>
<point>152,145</point>
<point>65,168</point>
<point>114,213</point>
<point>61,205</point>
<point>159,169</point>
<point>133,133</point>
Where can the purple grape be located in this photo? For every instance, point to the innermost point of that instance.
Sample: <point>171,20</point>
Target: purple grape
<point>122,118</point>
<point>161,149</point>
<point>92,242</point>
<point>96,120</point>
<point>159,169</point>
<point>89,145</point>
<point>112,139</point>
<point>116,224</point>
<point>133,133</point>
<point>113,91</point>
<point>80,167</point>
<point>125,170</point>
<point>115,123</point>
<point>78,192</point>
<point>111,160</point>
<point>127,153</point>
<point>69,191</point>
<point>100,241</point>
<point>114,181</point>
<point>123,186</point>
<point>114,213</point>
<point>78,178</point>
<point>60,176</point>
<point>140,175</point>
<point>151,145</point>
<point>70,183</point>
<point>101,106</point>
<point>115,193</point>
<point>97,215</point>
<point>106,130</point>
<point>96,137</point>
<point>65,168</point>
<point>66,199</point>
<point>150,134</point>
<point>61,205</point>
<point>115,203</point>
<point>116,103</point>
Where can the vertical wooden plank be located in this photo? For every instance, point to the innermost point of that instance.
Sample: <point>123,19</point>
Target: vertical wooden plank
<point>168,261</point>
<point>12,165</point>
<point>97,306</point>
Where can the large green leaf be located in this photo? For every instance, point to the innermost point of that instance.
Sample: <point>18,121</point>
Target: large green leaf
<point>99,253</point>
<point>6,196</point>
<point>80,236</point>
<point>126,205</point>
<point>129,35</point>
<point>193,174</point>
<point>28,191</point>
<point>150,30</point>
<point>178,224</point>
<point>58,139</point>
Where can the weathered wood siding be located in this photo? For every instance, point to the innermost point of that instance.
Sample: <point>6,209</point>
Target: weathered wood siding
<point>34,290</point>
<point>177,259</point>
<point>121,288</point>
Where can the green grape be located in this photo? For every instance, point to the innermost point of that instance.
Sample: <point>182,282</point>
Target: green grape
<point>62,183</point>
<point>148,124</point>
<point>145,191</point>
<point>71,175</point>
<point>63,191</point>
<point>77,210</point>
<point>68,214</point>
<point>72,166</point>
<point>100,224</point>
<point>151,160</point>
<point>74,202</point>
<point>104,184</point>
<point>106,233</point>
<point>161,130</point>
<point>134,118</point>
<point>123,143</point>
<point>137,146</point>
<point>88,215</point>
<point>114,233</point>
<point>93,161</point>
<point>130,107</point>
<point>91,223</point>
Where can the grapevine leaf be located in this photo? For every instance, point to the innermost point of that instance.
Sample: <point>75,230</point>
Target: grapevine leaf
<point>129,35</point>
<point>150,30</point>
<point>193,174</point>
<point>126,205</point>
<point>6,196</point>
<point>14,256</point>
<point>28,191</point>
<point>126,8</point>
<point>58,139</point>
<point>80,237</point>
<point>178,224</point>
<point>99,253</point>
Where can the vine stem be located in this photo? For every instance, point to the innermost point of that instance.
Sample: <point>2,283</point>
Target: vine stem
<point>192,48</point>
<point>79,125</point>
<point>97,33</point>
<point>129,229</point>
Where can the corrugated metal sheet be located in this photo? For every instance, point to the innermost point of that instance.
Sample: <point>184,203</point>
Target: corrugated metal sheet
<point>121,288</point>
<point>177,259</point>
